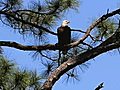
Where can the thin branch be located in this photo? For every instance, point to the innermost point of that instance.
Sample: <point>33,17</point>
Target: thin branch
<point>87,45</point>
<point>40,13</point>
<point>92,37</point>
<point>93,25</point>
<point>47,57</point>
<point>29,23</point>
<point>78,30</point>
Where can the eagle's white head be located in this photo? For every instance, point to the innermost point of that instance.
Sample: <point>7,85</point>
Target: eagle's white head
<point>65,23</point>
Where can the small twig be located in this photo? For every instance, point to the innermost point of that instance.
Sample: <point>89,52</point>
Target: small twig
<point>107,10</point>
<point>87,44</point>
<point>92,37</point>
<point>46,56</point>
<point>99,86</point>
<point>78,30</point>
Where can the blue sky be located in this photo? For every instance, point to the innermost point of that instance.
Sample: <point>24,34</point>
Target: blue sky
<point>105,68</point>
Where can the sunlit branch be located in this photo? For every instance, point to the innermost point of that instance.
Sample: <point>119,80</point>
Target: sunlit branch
<point>77,60</point>
<point>28,48</point>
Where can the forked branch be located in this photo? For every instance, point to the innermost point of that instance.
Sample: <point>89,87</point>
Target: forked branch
<point>88,55</point>
<point>93,25</point>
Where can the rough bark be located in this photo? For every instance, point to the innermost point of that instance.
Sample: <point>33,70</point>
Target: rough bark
<point>26,47</point>
<point>110,44</point>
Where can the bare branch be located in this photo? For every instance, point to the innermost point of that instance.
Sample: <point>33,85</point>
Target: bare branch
<point>28,48</point>
<point>87,45</point>
<point>47,57</point>
<point>99,86</point>
<point>78,30</point>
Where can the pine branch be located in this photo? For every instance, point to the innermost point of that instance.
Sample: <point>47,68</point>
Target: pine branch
<point>50,46</point>
<point>25,22</point>
<point>28,48</point>
<point>35,12</point>
<point>81,58</point>
<point>93,25</point>
<point>77,60</point>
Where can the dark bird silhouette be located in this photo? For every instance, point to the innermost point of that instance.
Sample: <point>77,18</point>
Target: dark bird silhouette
<point>64,36</point>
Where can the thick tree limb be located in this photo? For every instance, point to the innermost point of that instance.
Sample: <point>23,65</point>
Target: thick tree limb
<point>33,47</point>
<point>109,44</point>
<point>28,48</point>
<point>77,60</point>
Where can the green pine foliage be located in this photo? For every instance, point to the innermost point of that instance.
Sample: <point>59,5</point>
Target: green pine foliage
<point>38,20</point>
<point>106,28</point>
<point>34,19</point>
<point>12,78</point>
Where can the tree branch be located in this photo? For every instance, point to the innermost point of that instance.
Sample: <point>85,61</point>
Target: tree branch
<point>50,46</point>
<point>78,30</point>
<point>28,48</point>
<point>83,57</point>
<point>93,25</point>
<point>25,22</point>
<point>40,13</point>
<point>77,60</point>
<point>99,86</point>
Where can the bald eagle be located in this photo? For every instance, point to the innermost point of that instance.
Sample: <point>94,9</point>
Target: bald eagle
<point>64,36</point>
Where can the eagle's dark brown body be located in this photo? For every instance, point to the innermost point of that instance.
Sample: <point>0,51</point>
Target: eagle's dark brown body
<point>64,37</point>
